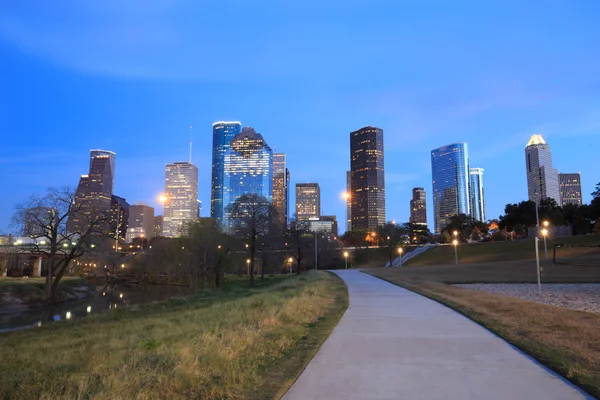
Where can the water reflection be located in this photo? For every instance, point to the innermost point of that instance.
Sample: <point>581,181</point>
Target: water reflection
<point>108,298</point>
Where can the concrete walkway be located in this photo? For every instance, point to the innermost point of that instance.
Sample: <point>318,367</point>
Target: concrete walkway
<point>394,344</point>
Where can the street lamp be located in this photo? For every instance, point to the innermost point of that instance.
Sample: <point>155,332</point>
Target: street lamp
<point>544,234</point>
<point>455,233</point>
<point>142,244</point>
<point>455,243</point>
<point>346,258</point>
<point>291,260</point>
<point>400,254</point>
<point>248,264</point>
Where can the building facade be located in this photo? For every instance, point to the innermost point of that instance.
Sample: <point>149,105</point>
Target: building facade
<point>119,217</point>
<point>308,201</point>
<point>418,207</point>
<point>223,132</point>
<point>542,178</point>
<point>140,222</point>
<point>94,191</point>
<point>158,226</point>
<point>281,188</point>
<point>181,197</point>
<point>367,176</point>
<point>570,189</point>
<point>477,194</point>
<point>450,180</point>
<point>348,201</point>
<point>248,170</point>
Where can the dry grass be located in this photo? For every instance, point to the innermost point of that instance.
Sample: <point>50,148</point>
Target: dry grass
<point>565,340</point>
<point>232,345</point>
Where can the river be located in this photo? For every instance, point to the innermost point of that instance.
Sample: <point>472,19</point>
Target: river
<point>107,299</point>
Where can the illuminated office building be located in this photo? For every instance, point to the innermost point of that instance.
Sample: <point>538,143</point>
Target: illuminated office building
<point>308,201</point>
<point>248,169</point>
<point>367,193</point>
<point>281,189</point>
<point>181,197</point>
<point>477,194</point>
<point>141,222</point>
<point>450,179</point>
<point>223,132</point>
<point>542,178</point>
<point>570,189</point>
<point>418,207</point>
<point>348,201</point>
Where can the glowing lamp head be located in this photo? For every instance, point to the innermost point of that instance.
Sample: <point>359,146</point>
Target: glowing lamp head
<point>400,250</point>
<point>544,232</point>
<point>455,242</point>
<point>346,254</point>
<point>163,198</point>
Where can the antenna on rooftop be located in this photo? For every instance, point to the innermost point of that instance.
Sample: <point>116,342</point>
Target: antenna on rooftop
<point>191,141</point>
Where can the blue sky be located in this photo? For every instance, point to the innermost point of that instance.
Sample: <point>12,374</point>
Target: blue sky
<point>132,76</point>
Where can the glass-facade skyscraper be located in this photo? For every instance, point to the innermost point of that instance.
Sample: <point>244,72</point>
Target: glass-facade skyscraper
<point>418,207</point>
<point>248,169</point>
<point>477,194</point>
<point>281,188</point>
<point>223,132</point>
<point>181,194</point>
<point>308,201</point>
<point>367,175</point>
<point>450,178</point>
<point>542,178</point>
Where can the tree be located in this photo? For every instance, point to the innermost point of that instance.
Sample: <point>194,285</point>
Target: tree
<point>251,215</point>
<point>298,237</point>
<point>44,219</point>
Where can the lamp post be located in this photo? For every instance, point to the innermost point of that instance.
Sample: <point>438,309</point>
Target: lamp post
<point>346,258</point>
<point>291,260</point>
<point>248,264</point>
<point>455,243</point>
<point>400,254</point>
<point>544,234</point>
<point>142,244</point>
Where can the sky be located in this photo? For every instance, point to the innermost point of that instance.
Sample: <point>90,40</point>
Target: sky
<point>133,76</point>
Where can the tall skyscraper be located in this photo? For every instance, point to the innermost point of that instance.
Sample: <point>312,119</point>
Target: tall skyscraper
<point>308,201</point>
<point>347,197</point>
<point>248,169</point>
<point>181,193</point>
<point>95,189</point>
<point>542,179</point>
<point>367,192</point>
<point>477,194</point>
<point>418,210</point>
<point>223,132</point>
<point>450,179</point>
<point>119,217</point>
<point>281,188</point>
<point>570,188</point>
<point>141,222</point>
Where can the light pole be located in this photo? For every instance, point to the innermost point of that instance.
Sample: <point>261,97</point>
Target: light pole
<point>400,253</point>
<point>291,260</point>
<point>346,258</point>
<point>544,234</point>
<point>142,244</point>
<point>537,261</point>
<point>248,264</point>
<point>455,243</point>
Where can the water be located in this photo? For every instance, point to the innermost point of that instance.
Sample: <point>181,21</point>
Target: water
<point>107,299</point>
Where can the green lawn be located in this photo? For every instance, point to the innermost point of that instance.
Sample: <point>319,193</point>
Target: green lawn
<point>235,342</point>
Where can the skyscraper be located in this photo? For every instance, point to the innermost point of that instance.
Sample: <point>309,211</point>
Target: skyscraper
<point>95,189</point>
<point>367,191</point>
<point>477,194</point>
<point>181,193</point>
<point>141,222</point>
<point>248,169</point>
<point>450,179</point>
<point>119,218</point>
<point>223,132</point>
<point>281,188</point>
<point>158,225</point>
<point>542,179</point>
<point>308,201</point>
<point>418,210</point>
<point>570,188</point>
<point>348,201</point>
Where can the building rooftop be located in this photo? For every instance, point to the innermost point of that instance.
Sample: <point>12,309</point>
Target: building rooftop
<point>535,140</point>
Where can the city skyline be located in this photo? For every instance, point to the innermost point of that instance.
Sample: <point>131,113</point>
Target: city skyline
<point>90,82</point>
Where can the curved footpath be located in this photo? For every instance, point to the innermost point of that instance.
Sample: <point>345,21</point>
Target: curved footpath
<point>394,344</point>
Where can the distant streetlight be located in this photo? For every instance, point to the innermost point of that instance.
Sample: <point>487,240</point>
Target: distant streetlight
<point>546,223</point>
<point>346,258</point>
<point>248,264</point>
<point>345,195</point>
<point>455,233</point>
<point>163,198</point>
<point>400,253</point>
<point>544,234</point>
<point>291,260</point>
<point>455,243</point>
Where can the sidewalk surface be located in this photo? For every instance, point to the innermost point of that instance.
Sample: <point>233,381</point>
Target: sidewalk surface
<point>394,344</point>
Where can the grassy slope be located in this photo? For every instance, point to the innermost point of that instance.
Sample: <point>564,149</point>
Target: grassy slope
<point>31,290</point>
<point>233,343</point>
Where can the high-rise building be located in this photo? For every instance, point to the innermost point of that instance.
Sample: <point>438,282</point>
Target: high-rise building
<point>181,197</point>
<point>542,179</point>
<point>35,220</point>
<point>570,188</point>
<point>281,188</point>
<point>348,201</point>
<point>141,222</point>
<point>308,201</point>
<point>477,194</point>
<point>418,210</point>
<point>93,195</point>
<point>119,217</point>
<point>450,179</point>
<point>158,225</point>
<point>248,169</point>
<point>334,224</point>
<point>223,132</point>
<point>367,191</point>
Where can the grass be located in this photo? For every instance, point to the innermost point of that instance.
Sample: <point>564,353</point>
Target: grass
<point>234,343</point>
<point>565,340</point>
<point>30,291</point>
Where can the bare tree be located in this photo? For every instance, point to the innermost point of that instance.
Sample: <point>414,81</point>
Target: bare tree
<point>44,220</point>
<point>251,215</point>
